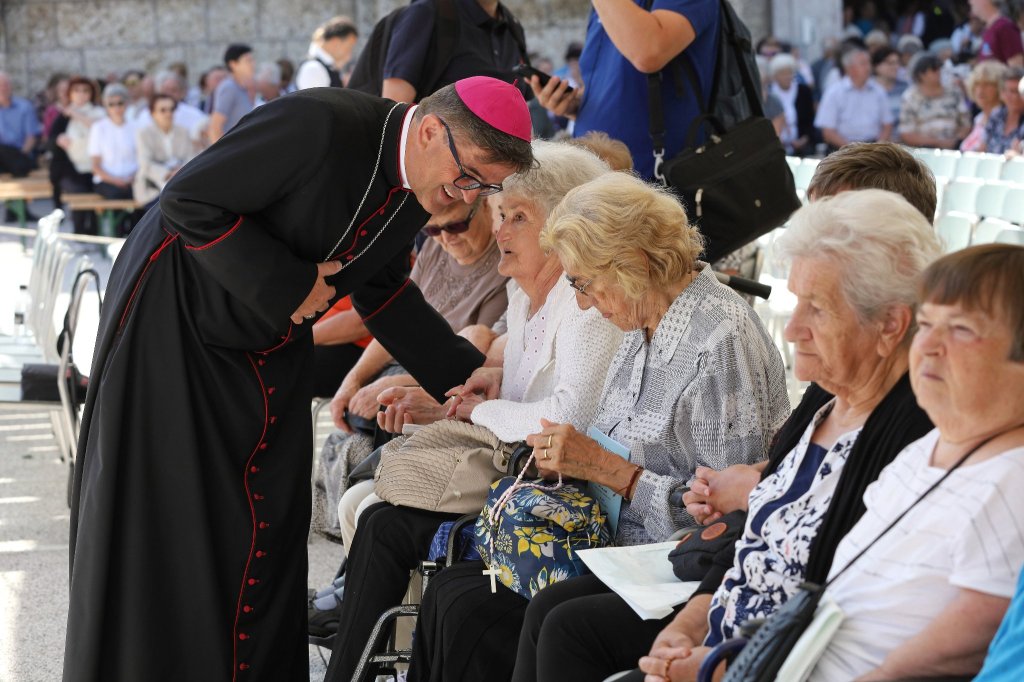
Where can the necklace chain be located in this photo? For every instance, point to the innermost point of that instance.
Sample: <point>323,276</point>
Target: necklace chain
<point>355,215</point>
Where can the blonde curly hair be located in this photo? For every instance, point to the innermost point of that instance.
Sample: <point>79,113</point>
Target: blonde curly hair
<point>619,224</point>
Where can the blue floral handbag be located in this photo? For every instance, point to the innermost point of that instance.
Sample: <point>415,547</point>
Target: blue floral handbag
<point>528,534</point>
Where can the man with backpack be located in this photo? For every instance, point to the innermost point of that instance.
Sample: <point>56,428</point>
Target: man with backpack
<point>420,48</point>
<point>626,41</point>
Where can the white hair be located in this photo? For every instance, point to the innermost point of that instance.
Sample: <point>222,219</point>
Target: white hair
<point>879,241</point>
<point>782,62</point>
<point>558,168</point>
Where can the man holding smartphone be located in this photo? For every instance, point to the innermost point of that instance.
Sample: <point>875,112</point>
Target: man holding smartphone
<point>626,40</point>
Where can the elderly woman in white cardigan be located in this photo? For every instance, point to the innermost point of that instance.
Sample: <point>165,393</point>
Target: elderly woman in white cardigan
<point>555,362</point>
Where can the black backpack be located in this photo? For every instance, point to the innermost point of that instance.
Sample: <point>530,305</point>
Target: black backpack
<point>735,94</point>
<point>368,73</point>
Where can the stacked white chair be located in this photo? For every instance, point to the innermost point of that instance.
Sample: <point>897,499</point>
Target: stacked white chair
<point>986,231</point>
<point>954,229</point>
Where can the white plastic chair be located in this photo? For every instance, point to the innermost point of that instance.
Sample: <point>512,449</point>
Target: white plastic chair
<point>954,229</point>
<point>794,162</point>
<point>1013,170</point>
<point>990,166</point>
<point>988,229</point>
<point>961,194</point>
<point>942,163</point>
<point>804,172</point>
<point>967,165</point>
<point>1013,205</point>
<point>989,202</point>
<point>1012,236</point>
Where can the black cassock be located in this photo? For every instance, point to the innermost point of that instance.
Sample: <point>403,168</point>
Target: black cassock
<point>192,495</point>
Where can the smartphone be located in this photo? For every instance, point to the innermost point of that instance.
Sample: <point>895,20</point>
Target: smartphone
<point>527,71</point>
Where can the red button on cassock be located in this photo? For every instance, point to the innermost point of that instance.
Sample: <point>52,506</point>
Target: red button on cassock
<point>263,446</point>
<point>254,469</point>
<point>252,581</point>
<point>243,666</point>
<point>273,419</point>
<point>270,391</point>
<point>243,636</point>
<point>260,554</point>
<point>264,524</point>
<point>247,609</point>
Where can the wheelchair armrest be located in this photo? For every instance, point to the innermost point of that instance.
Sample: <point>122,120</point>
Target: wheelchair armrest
<point>723,653</point>
<point>456,529</point>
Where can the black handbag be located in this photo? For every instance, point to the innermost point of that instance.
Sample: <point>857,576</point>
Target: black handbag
<point>766,651</point>
<point>736,186</point>
<point>694,554</point>
<point>39,383</point>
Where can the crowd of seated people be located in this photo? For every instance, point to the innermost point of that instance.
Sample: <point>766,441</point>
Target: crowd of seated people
<point>913,363</point>
<point>875,62</point>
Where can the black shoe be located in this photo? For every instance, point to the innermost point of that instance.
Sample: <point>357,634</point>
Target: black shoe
<point>323,623</point>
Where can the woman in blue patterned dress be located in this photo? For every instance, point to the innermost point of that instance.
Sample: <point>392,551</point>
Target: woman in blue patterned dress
<point>855,283</point>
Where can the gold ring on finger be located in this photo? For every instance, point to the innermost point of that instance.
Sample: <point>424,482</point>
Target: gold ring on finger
<point>549,440</point>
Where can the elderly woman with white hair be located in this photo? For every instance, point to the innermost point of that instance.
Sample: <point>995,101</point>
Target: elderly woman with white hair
<point>112,146</point>
<point>555,362</point>
<point>797,104</point>
<point>696,381</point>
<point>856,286</point>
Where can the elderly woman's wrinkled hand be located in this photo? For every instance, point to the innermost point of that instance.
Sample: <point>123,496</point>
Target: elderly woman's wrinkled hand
<point>340,403</point>
<point>696,502</point>
<point>561,449</point>
<point>461,406</point>
<point>407,405</point>
<point>484,380</point>
<point>714,493</point>
<point>673,664</point>
<point>364,402</point>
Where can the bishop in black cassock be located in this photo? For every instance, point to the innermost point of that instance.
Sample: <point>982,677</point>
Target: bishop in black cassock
<point>191,494</point>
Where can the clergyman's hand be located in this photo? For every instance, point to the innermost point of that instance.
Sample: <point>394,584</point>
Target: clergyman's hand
<point>321,294</point>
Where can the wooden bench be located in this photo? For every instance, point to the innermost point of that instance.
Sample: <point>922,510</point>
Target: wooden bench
<point>108,210</point>
<point>34,174</point>
<point>17,192</point>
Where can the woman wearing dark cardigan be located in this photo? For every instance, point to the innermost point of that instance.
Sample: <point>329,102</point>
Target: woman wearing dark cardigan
<point>855,289</point>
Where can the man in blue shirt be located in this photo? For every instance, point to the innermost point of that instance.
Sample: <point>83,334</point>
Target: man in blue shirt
<point>625,42</point>
<point>19,131</point>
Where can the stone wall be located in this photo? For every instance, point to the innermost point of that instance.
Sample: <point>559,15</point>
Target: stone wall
<point>96,37</point>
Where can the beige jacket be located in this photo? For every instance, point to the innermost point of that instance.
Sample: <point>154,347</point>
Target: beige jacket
<point>155,160</point>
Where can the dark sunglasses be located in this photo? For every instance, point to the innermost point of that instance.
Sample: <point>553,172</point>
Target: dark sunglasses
<point>116,103</point>
<point>453,228</point>
<point>164,110</point>
<point>465,181</point>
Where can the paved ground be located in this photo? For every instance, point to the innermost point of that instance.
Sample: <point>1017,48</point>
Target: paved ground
<point>34,512</point>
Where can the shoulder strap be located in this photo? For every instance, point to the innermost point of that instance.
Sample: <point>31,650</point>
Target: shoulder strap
<point>518,35</point>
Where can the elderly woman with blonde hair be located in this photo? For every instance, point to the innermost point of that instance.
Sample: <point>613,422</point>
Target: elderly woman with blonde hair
<point>696,381</point>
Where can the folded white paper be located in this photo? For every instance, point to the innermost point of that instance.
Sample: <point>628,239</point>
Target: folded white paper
<point>642,576</point>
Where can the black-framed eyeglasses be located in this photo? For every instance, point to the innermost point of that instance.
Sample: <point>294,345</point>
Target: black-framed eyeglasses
<point>457,227</point>
<point>465,181</point>
<point>575,283</point>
